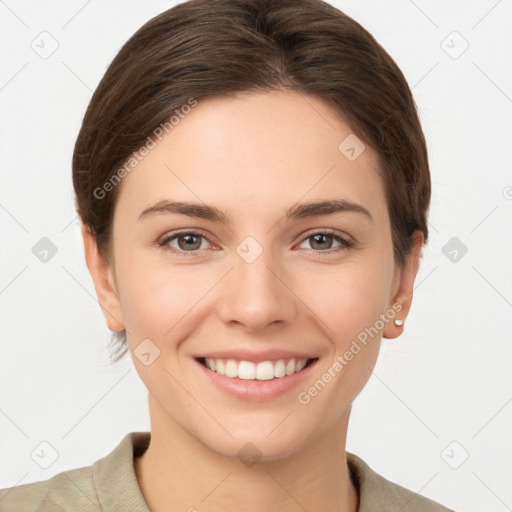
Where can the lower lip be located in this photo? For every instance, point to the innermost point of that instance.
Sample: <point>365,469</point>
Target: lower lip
<point>257,390</point>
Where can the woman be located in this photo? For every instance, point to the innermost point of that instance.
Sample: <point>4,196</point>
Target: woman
<point>253,185</point>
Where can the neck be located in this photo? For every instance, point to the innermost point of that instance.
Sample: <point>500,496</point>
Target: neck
<point>177,472</point>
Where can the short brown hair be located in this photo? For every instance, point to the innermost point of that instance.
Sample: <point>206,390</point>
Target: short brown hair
<point>214,48</point>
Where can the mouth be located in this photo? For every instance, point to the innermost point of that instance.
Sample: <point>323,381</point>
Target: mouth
<point>262,370</point>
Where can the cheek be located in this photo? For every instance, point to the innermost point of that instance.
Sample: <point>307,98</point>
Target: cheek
<point>345,299</point>
<point>158,300</point>
<point>347,304</point>
<point>162,305</point>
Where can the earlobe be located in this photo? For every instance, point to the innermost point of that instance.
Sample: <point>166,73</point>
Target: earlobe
<point>404,294</point>
<point>104,285</point>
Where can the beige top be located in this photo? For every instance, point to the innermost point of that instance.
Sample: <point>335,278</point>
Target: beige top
<point>110,485</point>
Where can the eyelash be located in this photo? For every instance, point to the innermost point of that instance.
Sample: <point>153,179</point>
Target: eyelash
<point>346,243</point>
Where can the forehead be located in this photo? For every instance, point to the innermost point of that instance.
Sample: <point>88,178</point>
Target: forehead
<point>257,150</point>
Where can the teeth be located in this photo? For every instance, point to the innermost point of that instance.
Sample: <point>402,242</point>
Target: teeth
<point>231,368</point>
<point>264,370</point>
<point>300,364</point>
<point>246,370</point>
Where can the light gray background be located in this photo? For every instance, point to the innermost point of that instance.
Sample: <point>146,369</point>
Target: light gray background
<point>439,392</point>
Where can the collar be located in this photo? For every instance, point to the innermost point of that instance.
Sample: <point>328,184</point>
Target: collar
<point>118,488</point>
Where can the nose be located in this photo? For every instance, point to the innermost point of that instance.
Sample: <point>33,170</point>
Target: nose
<point>256,295</point>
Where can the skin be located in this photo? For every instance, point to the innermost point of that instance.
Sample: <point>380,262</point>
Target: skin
<point>253,157</point>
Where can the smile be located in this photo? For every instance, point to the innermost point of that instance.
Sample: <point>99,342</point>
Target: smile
<point>262,370</point>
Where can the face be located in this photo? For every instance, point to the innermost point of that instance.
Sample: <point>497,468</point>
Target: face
<point>253,274</point>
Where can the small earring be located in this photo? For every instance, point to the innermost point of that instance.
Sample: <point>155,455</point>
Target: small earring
<point>398,321</point>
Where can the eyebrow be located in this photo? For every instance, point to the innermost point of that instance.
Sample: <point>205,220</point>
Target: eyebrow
<point>300,211</point>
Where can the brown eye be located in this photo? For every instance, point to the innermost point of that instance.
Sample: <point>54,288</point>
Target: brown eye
<point>322,241</point>
<point>189,242</point>
<point>184,242</point>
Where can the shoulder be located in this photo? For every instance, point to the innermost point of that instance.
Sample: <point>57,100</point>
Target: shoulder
<point>109,484</point>
<point>378,493</point>
<point>73,488</point>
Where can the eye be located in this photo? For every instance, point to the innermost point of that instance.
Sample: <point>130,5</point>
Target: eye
<point>321,241</point>
<point>185,242</point>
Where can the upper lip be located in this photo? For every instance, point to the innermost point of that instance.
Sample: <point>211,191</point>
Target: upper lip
<point>248,355</point>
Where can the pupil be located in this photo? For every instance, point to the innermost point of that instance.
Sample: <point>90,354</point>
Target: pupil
<point>188,239</point>
<point>320,236</point>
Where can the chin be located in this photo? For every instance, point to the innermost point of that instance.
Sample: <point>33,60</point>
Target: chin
<point>258,442</point>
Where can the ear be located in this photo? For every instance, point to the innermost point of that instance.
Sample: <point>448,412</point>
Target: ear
<point>404,282</point>
<point>102,276</point>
